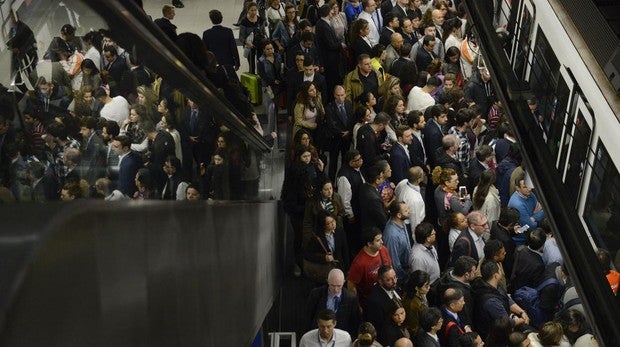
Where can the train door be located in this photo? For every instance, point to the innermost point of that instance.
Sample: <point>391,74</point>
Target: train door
<point>575,143</point>
<point>522,43</point>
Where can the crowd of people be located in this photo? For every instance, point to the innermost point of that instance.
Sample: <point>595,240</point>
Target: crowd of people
<point>97,123</point>
<point>403,170</point>
<point>404,184</point>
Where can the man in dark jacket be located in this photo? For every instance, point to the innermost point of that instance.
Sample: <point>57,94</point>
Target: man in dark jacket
<point>221,41</point>
<point>164,22</point>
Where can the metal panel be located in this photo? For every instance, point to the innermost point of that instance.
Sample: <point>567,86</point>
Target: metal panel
<point>149,274</point>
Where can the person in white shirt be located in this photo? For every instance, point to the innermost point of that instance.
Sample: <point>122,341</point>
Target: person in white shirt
<point>408,191</point>
<point>116,109</point>
<point>372,16</point>
<point>326,334</point>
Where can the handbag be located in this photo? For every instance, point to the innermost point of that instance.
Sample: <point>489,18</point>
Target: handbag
<point>318,272</point>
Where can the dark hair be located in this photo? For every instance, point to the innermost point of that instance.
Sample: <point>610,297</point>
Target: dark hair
<point>326,314</point>
<point>372,173</point>
<point>394,207</point>
<point>429,317</point>
<point>515,339</point>
<point>604,258</point>
<point>508,216</point>
<point>89,64</point>
<point>485,182</point>
<point>124,140</point>
<point>58,130</point>
<point>324,10</point>
<point>423,231</point>
<point>416,279</point>
<point>89,122</point>
<point>383,270</point>
<point>499,332</point>
<point>491,248</point>
<point>67,29</point>
<point>366,334</point>
<point>463,265</point>
<point>468,339</point>
<point>350,155</point>
<point>377,50</point>
<point>369,234</point>
<point>112,128</point>
<point>320,221</point>
<point>413,118</point>
<point>488,269</point>
<point>405,50</point>
<point>216,16</point>
<point>110,49</point>
<point>174,162</point>
<point>536,239</point>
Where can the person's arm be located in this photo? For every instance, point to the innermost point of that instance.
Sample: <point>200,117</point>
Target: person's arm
<point>521,315</point>
<point>344,190</point>
<point>299,117</point>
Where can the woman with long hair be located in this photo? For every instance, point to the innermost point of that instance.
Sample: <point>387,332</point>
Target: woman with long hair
<point>447,199</point>
<point>167,123</point>
<point>395,108</point>
<point>286,28</point>
<point>338,21</point>
<point>414,300</point>
<point>272,77</point>
<point>255,25</point>
<point>147,98</point>
<point>452,33</point>
<point>386,189</point>
<point>323,199</point>
<point>395,326</point>
<point>368,101</point>
<point>362,116</point>
<point>326,248</point>
<point>308,108</point>
<point>299,185</point>
<point>90,74</point>
<point>303,138</point>
<point>390,87</point>
<point>131,128</point>
<point>486,196</point>
<point>360,43</point>
<point>452,64</point>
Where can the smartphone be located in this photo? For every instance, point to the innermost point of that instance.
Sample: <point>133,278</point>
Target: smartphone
<point>462,191</point>
<point>522,229</point>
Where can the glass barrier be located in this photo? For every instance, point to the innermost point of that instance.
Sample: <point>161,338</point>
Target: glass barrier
<point>86,96</point>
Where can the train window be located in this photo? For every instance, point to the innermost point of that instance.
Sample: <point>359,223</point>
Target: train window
<point>544,75</point>
<point>557,117</point>
<point>578,154</point>
<point>506,17</point>
<point>602,209</point>
<point>522,49</point>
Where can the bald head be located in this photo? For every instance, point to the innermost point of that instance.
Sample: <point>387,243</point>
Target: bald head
<point>396,40</point>
<point>335,281</point>
<point>403,342</point>
<point>415,175</point>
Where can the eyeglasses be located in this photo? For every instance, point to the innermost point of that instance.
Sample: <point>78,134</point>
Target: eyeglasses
<point>481,225</point>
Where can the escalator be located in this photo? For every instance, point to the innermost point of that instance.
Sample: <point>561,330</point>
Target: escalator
<point>130,273</point>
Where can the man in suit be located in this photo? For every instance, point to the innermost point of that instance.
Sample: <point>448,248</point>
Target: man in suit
<point>198,134</point>
<point>453,301</point>
<point>401,9</point>
<point>339,116</point>
<point>430,324</point>
<point>129,164</point>
<point>309,73</point>
<point>372,211</point>
<point>93,163</point>
<point>417,152</point>
<point>529,267</point>
<point>391,26</point>
<point>329,49</point>
<point>113,70</point>
<point>221,41</point>
<point>433,133</point>
<point>484,158</point>
<point>381,296</point>
<point>400,159</point>
<point>306,45</point>
<point>164,22</point>
<point>367,142</point>
<point>470,241</point>
<point>161,146</point>
<point>335,297</point>
<point>425,54</point>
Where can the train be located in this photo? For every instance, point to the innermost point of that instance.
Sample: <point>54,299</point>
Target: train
<point>548,53</point>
